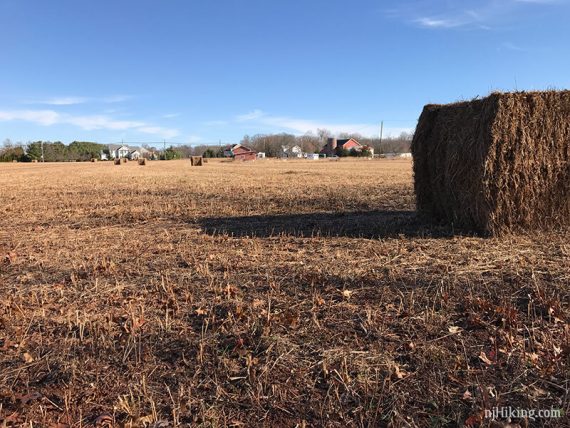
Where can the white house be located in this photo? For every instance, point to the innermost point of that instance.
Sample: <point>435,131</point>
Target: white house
<point>312,156</point>
<point>128,152</point>
<point>260,155</point>
<point>118,151</point>
<point>291,152</point>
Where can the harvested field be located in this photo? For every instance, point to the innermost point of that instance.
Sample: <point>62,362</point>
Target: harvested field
<point>267,293</point>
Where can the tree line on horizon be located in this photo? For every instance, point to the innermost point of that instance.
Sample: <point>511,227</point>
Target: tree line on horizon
<point>53,151</point>
<point>270,144</point>
<point>56,151</point>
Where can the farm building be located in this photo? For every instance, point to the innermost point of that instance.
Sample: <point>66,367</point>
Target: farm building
<point>291,152</point>
<point>239,152</point>
<point>260,155</point>
<point>118,151</point>
<point>313,156</point>
<point>335,145</point>
<point>495,164</point>
<point>124,151</point>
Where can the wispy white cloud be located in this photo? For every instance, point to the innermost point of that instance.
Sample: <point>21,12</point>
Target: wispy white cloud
<point>114,99</point>
<point>92,122</point>
<point>259,118</point>
<point>439,23</point>
<point>86,122</point>
<point>41,117</point>
<point>255,114</point>
<point>74,100</point>
<point>170,115</point>
<point>64,101</point>
<point>158,130</point>
<point>481,14</point>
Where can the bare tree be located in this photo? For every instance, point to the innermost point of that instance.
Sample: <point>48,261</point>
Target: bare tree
<point>323,134</point>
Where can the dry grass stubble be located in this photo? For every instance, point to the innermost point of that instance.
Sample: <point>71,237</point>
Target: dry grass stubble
<point>266,294</point>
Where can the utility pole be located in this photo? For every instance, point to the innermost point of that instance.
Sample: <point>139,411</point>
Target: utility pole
<point>42,145</point>
<point>164,149</point>
<point>381,131</point>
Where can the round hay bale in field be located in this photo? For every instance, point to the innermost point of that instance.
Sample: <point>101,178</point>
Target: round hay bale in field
<point>117,161</point>
<point>495,164</point>
<point>93,160</point>
<point>142,162</point>
<point>124,160</point>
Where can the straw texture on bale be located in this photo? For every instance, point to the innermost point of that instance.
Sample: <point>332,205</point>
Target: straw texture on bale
<point>496,164</point>
<point>117,161</point>
<point>196,161</point>
<point>142,161</point>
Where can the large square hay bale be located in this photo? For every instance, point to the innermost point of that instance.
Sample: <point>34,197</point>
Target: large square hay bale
<point>496,164</point>
<point>196,161</point>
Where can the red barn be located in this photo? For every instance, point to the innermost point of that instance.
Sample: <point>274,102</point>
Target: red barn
<point>330,149</point>
<point>239,152</point>
<point>350,144</point>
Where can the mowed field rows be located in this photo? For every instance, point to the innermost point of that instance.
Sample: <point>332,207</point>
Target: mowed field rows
<point>269,293</point>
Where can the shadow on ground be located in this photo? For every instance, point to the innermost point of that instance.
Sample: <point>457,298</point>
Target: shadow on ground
<point>369,224</point>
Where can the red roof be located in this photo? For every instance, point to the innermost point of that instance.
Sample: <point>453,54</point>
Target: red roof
<point>241,150</point>
<point>350,144</point>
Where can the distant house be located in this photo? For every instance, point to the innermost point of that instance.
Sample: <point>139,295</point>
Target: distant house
<point>260,155</point>
<point>228,150</point>
<point>349,144</point>
<point>127,152</point>
<point>118,151</point>
<point>291,152</point>
<point>313,156</point>
<point>239,152</point>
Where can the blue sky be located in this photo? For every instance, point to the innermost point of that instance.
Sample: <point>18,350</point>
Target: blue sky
<point>203,71</point>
